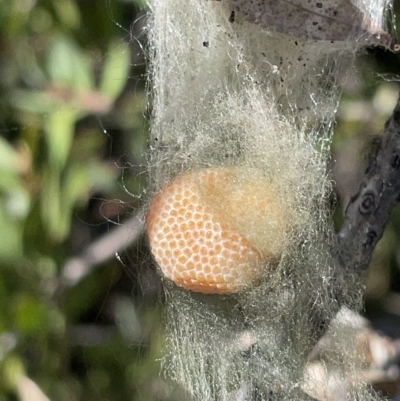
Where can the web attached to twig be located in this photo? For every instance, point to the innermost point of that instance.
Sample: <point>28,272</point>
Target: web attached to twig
<point>233,86</point>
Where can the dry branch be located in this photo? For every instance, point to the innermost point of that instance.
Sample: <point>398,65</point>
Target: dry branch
<point>101,250</point>
<point>366,216</point>
<point>368,211</point>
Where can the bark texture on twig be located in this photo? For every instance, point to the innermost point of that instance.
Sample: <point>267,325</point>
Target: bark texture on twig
<point>366,216</point>
<point>368,211</point>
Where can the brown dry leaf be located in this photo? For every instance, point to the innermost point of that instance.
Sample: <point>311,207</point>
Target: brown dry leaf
<point>332,20</point>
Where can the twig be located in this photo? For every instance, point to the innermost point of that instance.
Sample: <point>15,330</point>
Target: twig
<point>368,211</point>
<point>101,250</point>
<point>366,216</point>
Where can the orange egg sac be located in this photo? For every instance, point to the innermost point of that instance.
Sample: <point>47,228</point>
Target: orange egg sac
<point>216,230</point>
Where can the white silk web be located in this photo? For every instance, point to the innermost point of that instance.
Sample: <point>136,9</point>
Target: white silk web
<point>230,90</point>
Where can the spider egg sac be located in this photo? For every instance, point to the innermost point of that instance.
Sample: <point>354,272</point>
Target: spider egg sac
<point>216,230</point>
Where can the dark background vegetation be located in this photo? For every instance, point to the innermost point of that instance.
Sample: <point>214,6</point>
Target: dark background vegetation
<point>73,132</point>
<point>72,144</point>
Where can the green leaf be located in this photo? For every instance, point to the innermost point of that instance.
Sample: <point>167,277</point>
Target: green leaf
<point>10,234</point>
<point>18,202</point>
<point>30,315</point>
<point>33,101</point>
<point>68,66</point>
<point>11,371</point>
<point>79,181</point>
<point>60,127</point>
<point>15,200</point>
<point>76,186</point>
<point>68,13</point>
<point>8,157</point>
<point>51,203</point>
<point>115,70</point>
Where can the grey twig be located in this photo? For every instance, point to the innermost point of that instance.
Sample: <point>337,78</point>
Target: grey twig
<point>102,249</point>
<point>368,211</point>
<point>366,216</point>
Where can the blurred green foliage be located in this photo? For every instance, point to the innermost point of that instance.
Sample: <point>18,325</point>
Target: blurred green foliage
<point>72,145</point>
<point>72,140</point>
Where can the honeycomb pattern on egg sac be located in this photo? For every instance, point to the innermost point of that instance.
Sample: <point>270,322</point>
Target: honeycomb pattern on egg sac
<point>214,230</point>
